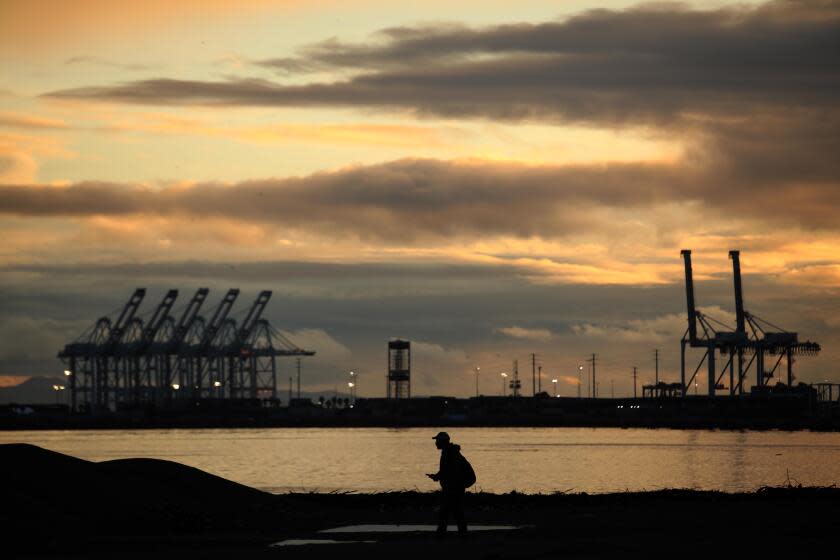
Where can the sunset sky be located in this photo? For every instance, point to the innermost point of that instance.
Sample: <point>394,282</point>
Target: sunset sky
<point>485,178</point>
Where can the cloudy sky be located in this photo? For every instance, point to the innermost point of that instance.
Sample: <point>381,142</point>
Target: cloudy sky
<point>485,178</point>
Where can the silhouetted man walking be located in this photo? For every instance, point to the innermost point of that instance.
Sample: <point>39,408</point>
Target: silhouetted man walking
<point>452,484</point>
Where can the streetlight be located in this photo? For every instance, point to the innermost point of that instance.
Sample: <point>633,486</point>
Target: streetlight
<point>57,389</point>
<point>555,387</point>
<point>71,399</point>
<point>175,386</point>
<point>504,382</point>
<point>580,378</point>
<point>477,369</point>
<point>352,385</point>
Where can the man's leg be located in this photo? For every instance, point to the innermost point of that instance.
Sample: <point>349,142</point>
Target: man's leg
<point>445,506</point>
<point>458,512</point>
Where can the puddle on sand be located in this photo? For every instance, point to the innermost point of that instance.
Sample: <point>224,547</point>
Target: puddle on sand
<point>411,528</point>
<point>302,542</point>
<point>367,529</point>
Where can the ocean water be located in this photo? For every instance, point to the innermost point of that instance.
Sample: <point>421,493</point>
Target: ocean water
<point>529,460</point>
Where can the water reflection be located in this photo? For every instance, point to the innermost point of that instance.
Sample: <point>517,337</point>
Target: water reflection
<point>557,459</point>
<point>689,459</point>
<point>738,461</point>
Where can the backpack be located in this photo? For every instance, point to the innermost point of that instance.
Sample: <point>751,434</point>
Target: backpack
<point>466,472</point>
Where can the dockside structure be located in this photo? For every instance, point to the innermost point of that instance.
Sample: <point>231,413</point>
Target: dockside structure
<point>132,362</point>
<point>753,338</point>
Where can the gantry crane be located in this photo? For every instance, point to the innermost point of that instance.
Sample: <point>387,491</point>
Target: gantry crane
<point>751,336</point>
<point>131,362</point>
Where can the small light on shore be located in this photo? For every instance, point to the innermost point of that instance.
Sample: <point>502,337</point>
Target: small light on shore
<point>176,386</point>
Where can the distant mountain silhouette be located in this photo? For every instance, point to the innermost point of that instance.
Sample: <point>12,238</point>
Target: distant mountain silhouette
<point>37,390</point>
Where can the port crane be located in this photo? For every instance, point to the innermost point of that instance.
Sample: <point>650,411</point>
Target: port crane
<point>751,337</point>
<point>138,360</point>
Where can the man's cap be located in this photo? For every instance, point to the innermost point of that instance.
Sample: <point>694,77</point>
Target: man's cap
<point>441,435</point>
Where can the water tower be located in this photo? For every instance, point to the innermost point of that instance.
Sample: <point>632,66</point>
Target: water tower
<point>399,369</point>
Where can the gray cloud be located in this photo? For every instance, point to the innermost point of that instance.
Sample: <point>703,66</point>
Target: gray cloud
<point>752,90</point>
<point>401,200</point>
<point>411,200</point>
<point>649,64</point>
<point>800,34</point>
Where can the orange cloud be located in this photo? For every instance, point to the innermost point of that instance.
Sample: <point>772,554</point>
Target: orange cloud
<point>548,271</point>
<point>19,153</point>
<point>18,120</point>
<point>520,332</point>
<point>377,134</point>
<point>404,136</point>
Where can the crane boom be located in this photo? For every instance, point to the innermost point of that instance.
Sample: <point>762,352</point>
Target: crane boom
<point>219,317</point>
<point>187,318</point>
<point>253,316</point>
<point>739,294</point>
<point>689,295</point>
<point>159,316</point>
<point>118,328</point>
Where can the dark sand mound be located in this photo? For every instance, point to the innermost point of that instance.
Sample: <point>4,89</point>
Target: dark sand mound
<point>45,492</point>
<point>55,506</point>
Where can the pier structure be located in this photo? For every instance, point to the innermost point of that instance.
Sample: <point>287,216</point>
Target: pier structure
<point>752,337</point>
<point>164,357</point>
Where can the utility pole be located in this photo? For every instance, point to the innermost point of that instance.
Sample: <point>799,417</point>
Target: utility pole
<point>515,385</point>
<point>593,383</point>
<point>539,379</point>
<point>656,357</point>
<point>634,382</point>
<point>298,378</point>
<point>290,390</point>
<point>533,374</point>
<point>477,369</point>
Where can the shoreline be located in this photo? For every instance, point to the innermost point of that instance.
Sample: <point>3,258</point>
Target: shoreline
<point>58,506</point>
<point>442,423</point>
<point>761,412</point>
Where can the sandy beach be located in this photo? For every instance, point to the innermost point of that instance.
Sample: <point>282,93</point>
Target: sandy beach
<point>57,506</point>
